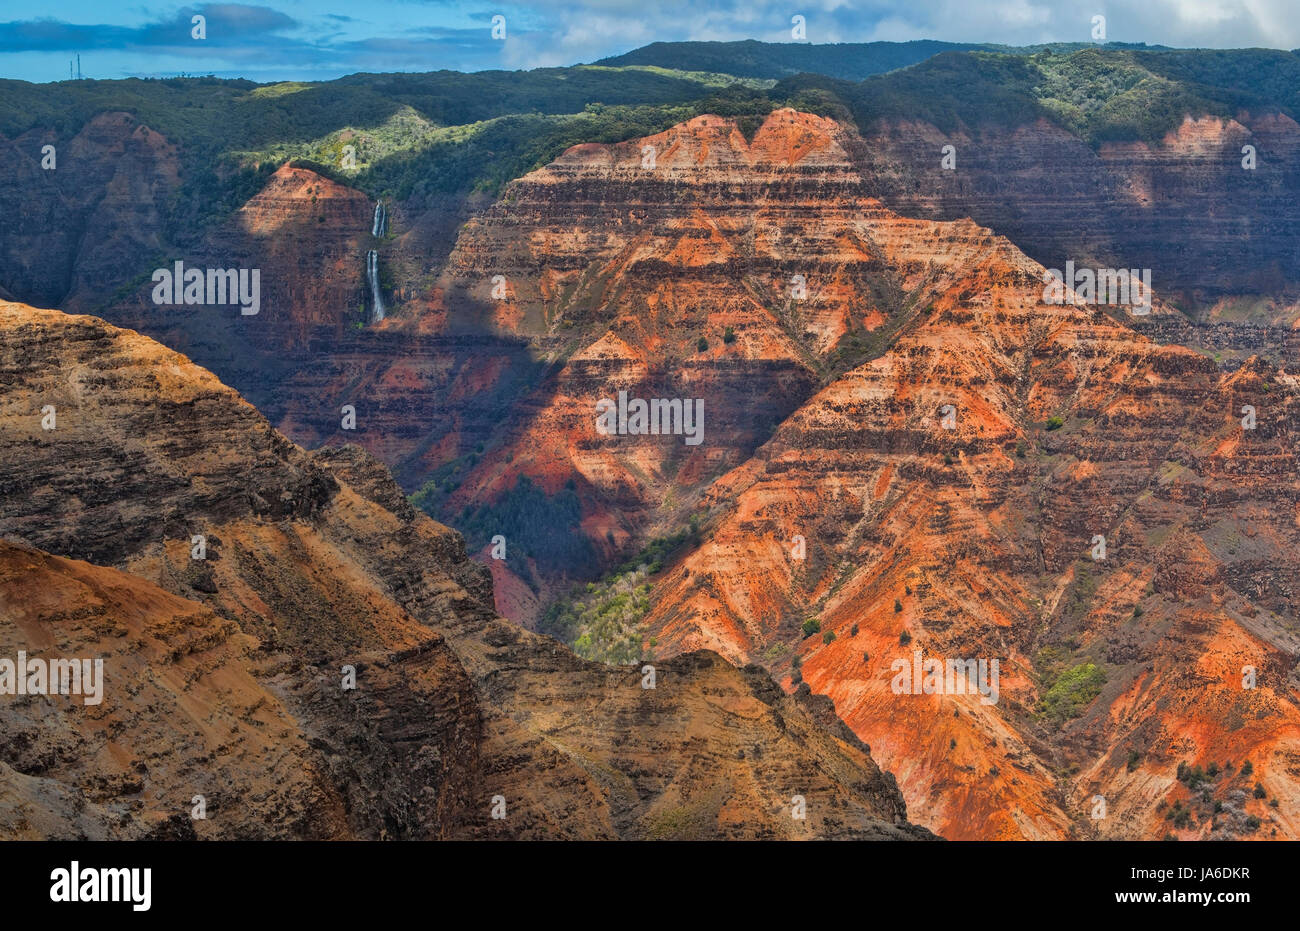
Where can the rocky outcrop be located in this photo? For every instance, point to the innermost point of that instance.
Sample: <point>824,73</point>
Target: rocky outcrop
<point>184,722</point>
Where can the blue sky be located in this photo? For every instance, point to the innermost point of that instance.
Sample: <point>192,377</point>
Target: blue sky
<point>270,40</point>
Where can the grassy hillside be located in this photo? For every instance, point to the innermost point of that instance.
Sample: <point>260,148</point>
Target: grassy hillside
<point>419,137</point>
<point>1099,94</point>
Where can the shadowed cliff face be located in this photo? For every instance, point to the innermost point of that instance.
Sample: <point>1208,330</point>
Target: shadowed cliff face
<point>1186,208</point>
<point>728,271</point>
<point>79,227</point>
<point>222,674</point>
<point>658,258</point>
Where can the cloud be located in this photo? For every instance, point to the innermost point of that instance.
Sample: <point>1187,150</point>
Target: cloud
<point>328,38</point>
<point>228,24</point>
<point>587,29</point>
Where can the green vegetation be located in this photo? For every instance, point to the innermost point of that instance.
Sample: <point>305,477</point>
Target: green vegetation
<point>707,78</point>
<point>692,820</point>
<point>1072,691</point>
<point>1099,94</point>
<point>659,550</point>
<point>828,636</point>
<point>603,620</point>
<point>811,626</point>
<point>538,527</point>
<point>415,136</point>
<point>1055,423</point>
<point>771,60</point>
<point>1193,776</point>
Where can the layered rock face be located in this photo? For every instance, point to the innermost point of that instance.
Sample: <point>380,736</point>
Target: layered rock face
<point>419,399</point>
<point>307,238</point>
<point>85,233</point>
<point>970,543</point>
<point>976,539</point>
<point>1186,208</point>
<point>191,720</point>
<point>429,396</point>
<point>223,675</point>
<point>695,266</point>
<point>979,534</point>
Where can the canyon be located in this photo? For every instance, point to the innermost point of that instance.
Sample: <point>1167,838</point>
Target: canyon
<point>905,450</point>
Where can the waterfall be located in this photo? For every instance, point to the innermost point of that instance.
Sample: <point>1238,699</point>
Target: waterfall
<point>372,277</point>
<point>380,225</point>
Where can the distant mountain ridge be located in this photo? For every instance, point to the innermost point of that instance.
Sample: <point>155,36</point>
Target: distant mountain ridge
<point>848,61</point>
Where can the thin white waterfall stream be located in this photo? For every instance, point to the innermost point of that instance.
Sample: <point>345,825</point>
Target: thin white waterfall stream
<point>372,277</point>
